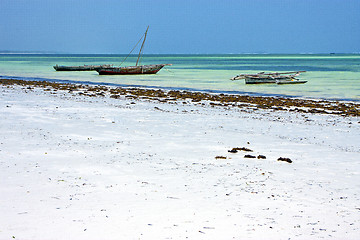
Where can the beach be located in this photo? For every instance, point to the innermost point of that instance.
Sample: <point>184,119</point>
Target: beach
<point>104,163</point>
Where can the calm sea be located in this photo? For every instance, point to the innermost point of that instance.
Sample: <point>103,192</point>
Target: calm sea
<point>331,76</point>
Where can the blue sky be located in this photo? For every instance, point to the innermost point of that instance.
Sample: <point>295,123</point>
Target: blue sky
<point>181,26</point>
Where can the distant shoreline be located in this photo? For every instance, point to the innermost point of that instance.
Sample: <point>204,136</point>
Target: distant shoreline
<point>24,52</point>
<point>180,54</point>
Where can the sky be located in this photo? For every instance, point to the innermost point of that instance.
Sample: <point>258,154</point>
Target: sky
<point>181,26</point>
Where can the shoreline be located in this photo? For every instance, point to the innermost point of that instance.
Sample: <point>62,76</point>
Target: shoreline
<point>343,108</point>
<point>206,91</point>
<point>144,164</point>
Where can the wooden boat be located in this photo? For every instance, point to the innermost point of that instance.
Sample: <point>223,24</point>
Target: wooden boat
<point>293,81</point>
<point>131,70</point>
<point>262,77</point>
<point>80,68</point>
<point>143,69</point>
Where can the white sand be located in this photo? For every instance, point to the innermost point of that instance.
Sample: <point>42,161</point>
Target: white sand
<point>101,168</point>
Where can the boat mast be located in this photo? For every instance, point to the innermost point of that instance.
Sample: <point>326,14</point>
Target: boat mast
<point>142,45</point>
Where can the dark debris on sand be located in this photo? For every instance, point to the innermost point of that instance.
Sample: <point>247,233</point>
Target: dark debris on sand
<point>285,159</point>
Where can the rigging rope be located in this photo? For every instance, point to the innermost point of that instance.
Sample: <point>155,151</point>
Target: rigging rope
<point>168,69</point>
<point>132,50</point>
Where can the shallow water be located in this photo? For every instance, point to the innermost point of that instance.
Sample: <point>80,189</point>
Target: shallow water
<point>329,76</point>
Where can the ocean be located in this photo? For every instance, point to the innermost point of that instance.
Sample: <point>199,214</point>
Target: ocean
<point>329,76</point>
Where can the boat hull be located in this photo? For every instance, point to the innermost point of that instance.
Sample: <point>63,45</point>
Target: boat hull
<point>131,70</point>
<point>259,80</point>
<point>79,68</point>
<point>291,82</point>
<point>272,79</point>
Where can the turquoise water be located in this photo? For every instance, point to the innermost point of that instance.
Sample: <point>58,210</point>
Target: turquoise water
<point>329,76</point>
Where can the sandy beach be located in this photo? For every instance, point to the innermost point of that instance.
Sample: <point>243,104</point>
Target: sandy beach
<point>107,165</point>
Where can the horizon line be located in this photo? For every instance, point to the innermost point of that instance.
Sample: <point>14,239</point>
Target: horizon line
<point>244,53</point>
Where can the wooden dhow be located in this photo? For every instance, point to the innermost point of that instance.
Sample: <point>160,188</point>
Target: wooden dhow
<point>142,69</point>
<point>132,70</point>
<point>276,77</point>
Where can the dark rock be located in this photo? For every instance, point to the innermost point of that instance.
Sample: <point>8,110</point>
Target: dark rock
<point>249,156</point>
<point>261,157</point>
<point>115,96</point>
<point>285,159</point>
<point>246,149</point>
<point>233,150</point>
<point>243,149</point>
